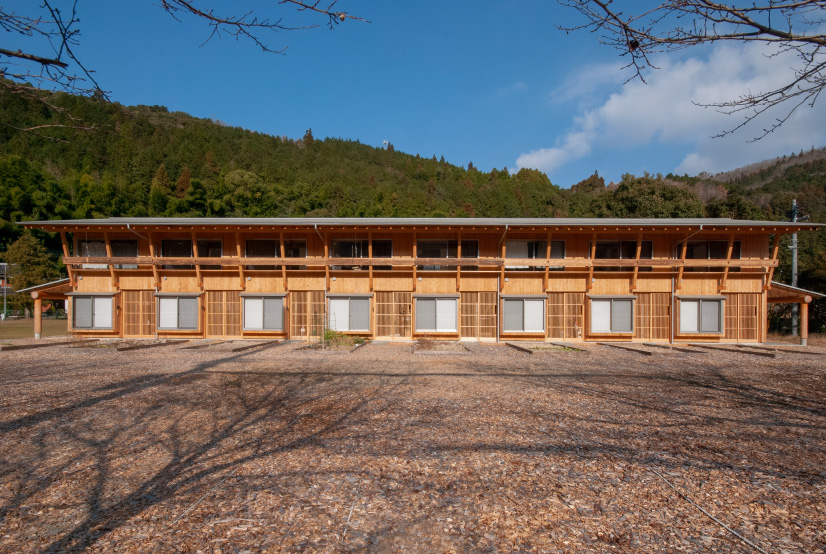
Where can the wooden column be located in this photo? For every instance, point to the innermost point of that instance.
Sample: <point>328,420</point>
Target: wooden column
<point>458,255</point>
<point>682,267</point>
<point>502,271</point>
<point>240,265</point>
<point>38,315</point>
<point>370,255</point>
<point>283,266</point>
<point>197,265</point>
<point>728,260</point>
<point>548,260</point>
<point>804,323</point>
<point>775,249</point>
<point>153,254</point>
<point>590,283</point>
<point>327,263</point>
<point>69,267</point>
<point>415,255</point>
<point>110,265</point>
<point>637,257</point>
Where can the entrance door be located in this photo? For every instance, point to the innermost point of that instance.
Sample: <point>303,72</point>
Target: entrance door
<point>138,313</point>
<point>394,315</point>
<point>478,315</point>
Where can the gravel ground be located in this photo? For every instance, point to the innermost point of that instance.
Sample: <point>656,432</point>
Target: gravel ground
<point>278,449</point>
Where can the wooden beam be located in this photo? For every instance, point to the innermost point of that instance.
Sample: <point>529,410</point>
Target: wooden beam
<point>804,323</point>
<point>502,271</point>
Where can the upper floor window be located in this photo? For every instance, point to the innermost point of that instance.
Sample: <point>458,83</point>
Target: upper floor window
<point>533,249</point>
<point>711,250</point>
<point>92,249</point>
<point>295,248</point>
<point>263,248</point>
<point>360,248</point>
<point>176,248</point>
<point>210,248</point>
<point>622,250</point>
<point>124,248</point>
<point>445,248</point>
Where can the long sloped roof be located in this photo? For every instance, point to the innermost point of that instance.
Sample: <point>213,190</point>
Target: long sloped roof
<point>409,221</point>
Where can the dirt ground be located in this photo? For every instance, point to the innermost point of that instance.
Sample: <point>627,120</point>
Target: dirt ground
<point>276,449</point>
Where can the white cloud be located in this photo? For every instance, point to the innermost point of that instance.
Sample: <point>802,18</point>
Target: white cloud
<point>513,88</point>
<point>665,111</point>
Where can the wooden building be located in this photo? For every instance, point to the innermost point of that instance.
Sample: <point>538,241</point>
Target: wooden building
<point>646,280</point>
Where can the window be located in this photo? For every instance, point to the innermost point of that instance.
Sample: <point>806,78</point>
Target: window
<point>711,250</point>
<point>436,315</point>
<point>701,315</point>
<point>523,315</point>
<point>622,250</point>
<point>360,248</point>
<point>124,249</point>
<point>176,249</point>
<point>263,313</point>
<point>446,249</point>
<point>263,248</point>
<point>533,249</point>
<point>210,248</point>
<point>177,312</point>
<point>612,315</point>
<point>295,248</point>
<point>349,314</point>
<point>92,249</point>
<point>92,312</point>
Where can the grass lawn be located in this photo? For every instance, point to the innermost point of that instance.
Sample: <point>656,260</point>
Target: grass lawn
<point>24,328</point>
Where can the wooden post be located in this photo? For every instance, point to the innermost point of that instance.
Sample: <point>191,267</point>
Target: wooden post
<point>240,265</point>
<point>415,255</point>
<point>69,267</point>
<point>153,254</point>
<point>110,265</point>
<point>458,255</point>
<point>804,323</point>
<point>547,259</point>
<point>197,265</point>
<point>283,266</point>
<point>38,315</point>
<point>728,261</point>
<point>327,263</point>
<point>590,283</point>
<point>682,267</point>
<point>502,271</point>
<point>370,255</point>
<point>637,266</point>
<point>775,249</point>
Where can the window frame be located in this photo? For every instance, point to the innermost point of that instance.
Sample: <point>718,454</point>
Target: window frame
<point>93,298</point>
<point>276,254</point>
<point>536,252</point>
<point>164,253</point>
<point>85,242</point>
<point>524,300</point>
<point>115,254</point>
<point>699,318</point>
<point>621,243</point>
<point>450,245</point>
<point>349,298</point>
<point>177,297</point>
<point>437,300</point>
<point>279,298</point>
<point>611,299</point>
<point>363,247</point>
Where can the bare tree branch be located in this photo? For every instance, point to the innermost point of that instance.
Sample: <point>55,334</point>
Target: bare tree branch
<point>791,26</point>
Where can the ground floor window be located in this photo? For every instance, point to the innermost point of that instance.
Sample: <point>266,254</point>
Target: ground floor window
<point>699,315</point>
<point>437,315</point>
<point>263,313</point>
<point>612,315</point>
<point>523,315</point>
<point>178,312</point>
<point>92,312</point>
<point>349,314</point>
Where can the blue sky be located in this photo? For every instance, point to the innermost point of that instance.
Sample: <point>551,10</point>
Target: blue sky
<point>494,83</point>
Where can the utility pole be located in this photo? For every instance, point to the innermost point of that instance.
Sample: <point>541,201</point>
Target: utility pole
<point>795,307</point>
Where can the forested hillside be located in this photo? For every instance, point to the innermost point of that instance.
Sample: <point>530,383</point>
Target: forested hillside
<point>147,161</point>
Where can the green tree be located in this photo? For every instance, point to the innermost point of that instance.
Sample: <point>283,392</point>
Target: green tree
<point>29,265</point>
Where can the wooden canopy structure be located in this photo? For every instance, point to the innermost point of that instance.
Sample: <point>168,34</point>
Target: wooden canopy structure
<point>780,293</point>
<point>55,290</point>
